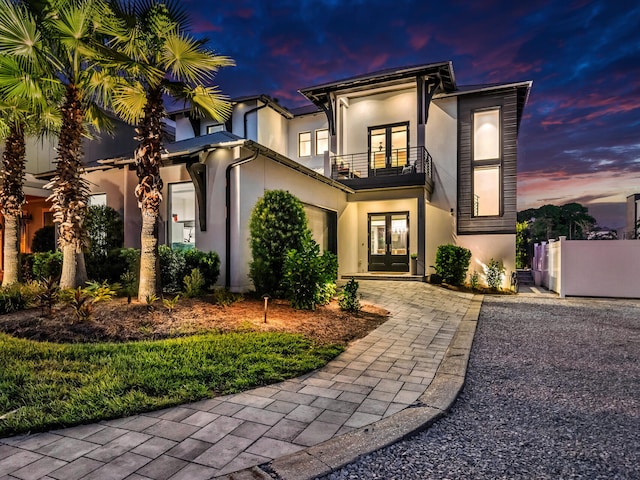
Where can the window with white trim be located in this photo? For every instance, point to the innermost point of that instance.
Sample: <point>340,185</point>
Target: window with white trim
<point>182,220</point>
<point>304,144</point>
<point>98,200</point>
<point>322,141</point>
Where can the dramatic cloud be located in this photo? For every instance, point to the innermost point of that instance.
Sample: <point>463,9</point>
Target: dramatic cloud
<point>579,138</point>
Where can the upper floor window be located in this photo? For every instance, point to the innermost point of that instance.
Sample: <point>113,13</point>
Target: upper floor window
<point>486,162</point>
<point>98,199</point>
<point>214,128</point>
<point>304,144</point>
<point>322,141</point>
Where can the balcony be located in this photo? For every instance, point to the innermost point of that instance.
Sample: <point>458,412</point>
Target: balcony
<point>394,168</point>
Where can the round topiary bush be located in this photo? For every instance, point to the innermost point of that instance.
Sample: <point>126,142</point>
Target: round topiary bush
<point>278,224</point>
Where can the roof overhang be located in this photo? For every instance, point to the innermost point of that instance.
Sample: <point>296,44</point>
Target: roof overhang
<point>523,89</point>
<point>443,71</point>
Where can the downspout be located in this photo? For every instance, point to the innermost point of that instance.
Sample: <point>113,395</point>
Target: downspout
<point>265,102</point>
<point>241,161</point>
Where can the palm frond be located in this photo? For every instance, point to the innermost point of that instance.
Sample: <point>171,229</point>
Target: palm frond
<point>19,34</point>
<point>129,102</point>
<point>98,119</point>
<point>208,101</point>
<point>184,59</point>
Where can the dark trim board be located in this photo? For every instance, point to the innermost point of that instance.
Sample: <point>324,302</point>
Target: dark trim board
<point>506,221</point>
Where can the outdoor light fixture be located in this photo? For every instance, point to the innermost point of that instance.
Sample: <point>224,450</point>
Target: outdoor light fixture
<point>266,304</point>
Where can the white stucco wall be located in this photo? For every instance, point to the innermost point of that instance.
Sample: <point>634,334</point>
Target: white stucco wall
<point>440,230</point>
<point>184,129</point>
<point>237,121</point>
<point>442,144</point>
<point>273,130</point>
<point>483,248</point>
<point>306,123</point>
<point>374,110</point>
<point>249,182</point>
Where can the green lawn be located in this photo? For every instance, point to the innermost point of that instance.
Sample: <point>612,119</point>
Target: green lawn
<point>46,385</point>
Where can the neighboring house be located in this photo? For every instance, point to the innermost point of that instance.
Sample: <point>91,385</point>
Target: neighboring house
<point>632,227</point>
<point>387,164</point>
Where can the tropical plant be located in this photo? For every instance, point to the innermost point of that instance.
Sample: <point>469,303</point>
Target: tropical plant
<point>170,303</point>
<point>494,272</point>
<point>162,59</point>
<point>349,299</point>
<point>193,284</point>
<point>474,280</point>
<point>278,224</point>
<point>78,55</point>
<point>25,88</point>
<point>105,230</point>
<point>452,263</point>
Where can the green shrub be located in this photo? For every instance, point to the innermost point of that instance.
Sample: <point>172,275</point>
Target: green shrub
<point>494,272</point>
<point>173,269</point>
<point>278,224</point>
<point>111,267</point>
<point>349,299</point>
<point>44,239</point>
<point>46,264</point>
<point>193,284</point>
<point>177,264</point>
<point>309,278</point>
<point>207,262</point>
<point>474,280</point>
<point>452,263</point>
<point>18,296</point>
<point>224,297</point>
<point>105,230</point>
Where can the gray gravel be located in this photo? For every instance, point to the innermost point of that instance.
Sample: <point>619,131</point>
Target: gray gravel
<point>553,391</point>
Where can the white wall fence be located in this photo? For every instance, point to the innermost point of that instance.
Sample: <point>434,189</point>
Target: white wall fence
<point>588,268</point>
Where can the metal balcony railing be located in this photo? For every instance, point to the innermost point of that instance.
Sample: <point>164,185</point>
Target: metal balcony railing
<point>397,162</point>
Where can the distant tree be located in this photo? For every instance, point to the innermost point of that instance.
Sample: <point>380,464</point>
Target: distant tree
<point>550,221</point>
<point>522,244</point>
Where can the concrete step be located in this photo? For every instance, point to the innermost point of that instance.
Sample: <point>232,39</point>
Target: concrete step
<point>525,277</point>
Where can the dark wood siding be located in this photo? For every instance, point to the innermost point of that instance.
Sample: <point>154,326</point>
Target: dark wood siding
<point>506,221</point>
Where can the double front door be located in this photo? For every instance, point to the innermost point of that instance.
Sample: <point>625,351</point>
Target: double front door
<point>388,149</point>
<point>389,242</point>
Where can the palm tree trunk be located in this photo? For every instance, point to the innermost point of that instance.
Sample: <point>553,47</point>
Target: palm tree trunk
<point>149,191</point>
<point>70,192</point>
<point>11,200</point>
<point>10,250</point>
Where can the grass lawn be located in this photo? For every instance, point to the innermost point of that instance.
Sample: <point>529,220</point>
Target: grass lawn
<point>47,385</point>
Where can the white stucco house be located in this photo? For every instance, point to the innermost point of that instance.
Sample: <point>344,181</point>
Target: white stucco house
<point>387,164</point>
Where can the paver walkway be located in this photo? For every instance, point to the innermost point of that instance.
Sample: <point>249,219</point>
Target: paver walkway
<point>374,378</point>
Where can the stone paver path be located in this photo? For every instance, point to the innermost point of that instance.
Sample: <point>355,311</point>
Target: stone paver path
<point>374,378</point>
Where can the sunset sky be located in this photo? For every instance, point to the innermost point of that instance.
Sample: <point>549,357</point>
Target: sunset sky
<point>580,137</point>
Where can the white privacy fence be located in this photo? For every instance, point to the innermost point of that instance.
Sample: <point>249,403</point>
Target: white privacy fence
<point>589,268</point>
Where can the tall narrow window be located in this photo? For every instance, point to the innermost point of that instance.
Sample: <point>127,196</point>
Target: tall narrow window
<point>304,144</point>
<point>98,199</point>
<point>486,162</point>
<point>322,141</point>
<point>182,208</point>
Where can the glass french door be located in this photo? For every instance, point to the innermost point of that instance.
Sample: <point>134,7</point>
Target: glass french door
<point>388,149</point>
<point>389,242</point>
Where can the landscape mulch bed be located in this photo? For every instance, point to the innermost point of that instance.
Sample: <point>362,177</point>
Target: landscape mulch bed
<point>117,321</point>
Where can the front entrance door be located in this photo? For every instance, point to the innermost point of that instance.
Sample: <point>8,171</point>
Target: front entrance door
<point>388,147</point>
<point>389,242</point>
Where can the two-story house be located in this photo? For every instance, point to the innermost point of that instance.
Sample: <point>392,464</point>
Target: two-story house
<point>387,164</point>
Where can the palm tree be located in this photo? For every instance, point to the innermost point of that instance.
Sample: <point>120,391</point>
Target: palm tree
<point>163,59</point>
<point>72,28</point>
<point>24,93</point>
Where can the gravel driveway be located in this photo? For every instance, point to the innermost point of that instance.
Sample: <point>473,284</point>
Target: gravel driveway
<point>553,391</point>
